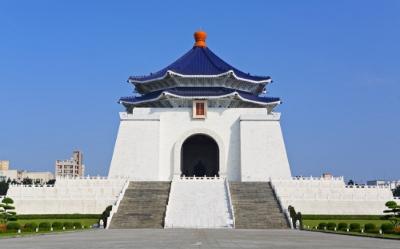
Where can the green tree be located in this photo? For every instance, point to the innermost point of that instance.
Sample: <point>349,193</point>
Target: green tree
<point>51,182</point>
<point>392,213</point>
<point>105,215</point>
<point>4,187</point>
<point>27,181</point>
<point>6,210</point>
<point>396,191</point>
<point>293,215</point>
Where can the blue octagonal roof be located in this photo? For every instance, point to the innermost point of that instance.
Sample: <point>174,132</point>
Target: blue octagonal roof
<point>200,61</point>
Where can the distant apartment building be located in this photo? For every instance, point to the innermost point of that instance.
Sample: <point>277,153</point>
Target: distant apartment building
<point>18,176</point>
<point>4,164</point>
<point>72,167</point>
<point>393,184</point>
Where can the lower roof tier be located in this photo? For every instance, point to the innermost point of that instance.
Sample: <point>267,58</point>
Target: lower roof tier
<point>215,96</point>
<point>228,79</point>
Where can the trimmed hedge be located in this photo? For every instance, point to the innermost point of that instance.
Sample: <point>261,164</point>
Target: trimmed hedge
<point>370,228</point>
<point>77,225</point>
<point>322,226</point>
<point>340,217</point>
<point>30,227</point>
<point>13,226</point>
<point>387,228</point>
<point>57,225</point>
<point>331,226</point>
<point>68,225</point>
<point>58,216</point>
<point>44,226</point>
<point>342,226</point>
<point>355,227</point>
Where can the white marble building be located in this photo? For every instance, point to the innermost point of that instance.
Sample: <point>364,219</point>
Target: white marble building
<point>200,117</point>
<point>250,143</point>
<point>200,95</point>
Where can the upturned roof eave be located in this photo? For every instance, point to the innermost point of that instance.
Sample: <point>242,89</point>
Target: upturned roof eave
<point>232,94</point>
<point>134,80</point>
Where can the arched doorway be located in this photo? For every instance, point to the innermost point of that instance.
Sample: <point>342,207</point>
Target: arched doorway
<point>200,156</point>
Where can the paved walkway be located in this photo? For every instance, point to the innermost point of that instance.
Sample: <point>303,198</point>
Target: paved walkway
<point>177,238</point>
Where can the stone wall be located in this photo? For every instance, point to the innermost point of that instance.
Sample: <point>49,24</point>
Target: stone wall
<point>331,196</point>
<point>67,196</point>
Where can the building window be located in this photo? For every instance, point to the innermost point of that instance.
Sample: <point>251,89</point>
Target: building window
<point>199,109</point>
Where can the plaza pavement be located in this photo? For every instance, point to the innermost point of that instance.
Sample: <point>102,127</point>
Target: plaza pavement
<point>192,239</point>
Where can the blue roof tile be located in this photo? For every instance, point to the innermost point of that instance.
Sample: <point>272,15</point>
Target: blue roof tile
<point>199,61</point>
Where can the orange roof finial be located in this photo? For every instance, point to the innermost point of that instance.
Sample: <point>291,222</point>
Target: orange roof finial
<point>200,38</point>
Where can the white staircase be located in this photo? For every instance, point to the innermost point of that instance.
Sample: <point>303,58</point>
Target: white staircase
<point>199,203</point>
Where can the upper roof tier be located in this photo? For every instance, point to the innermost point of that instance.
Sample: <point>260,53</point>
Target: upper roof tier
<point>200,67</point>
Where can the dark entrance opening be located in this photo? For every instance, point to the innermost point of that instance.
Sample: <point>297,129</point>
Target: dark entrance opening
<point>200,156</point>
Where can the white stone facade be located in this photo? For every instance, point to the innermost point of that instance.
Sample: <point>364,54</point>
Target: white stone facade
<point>250,142</point>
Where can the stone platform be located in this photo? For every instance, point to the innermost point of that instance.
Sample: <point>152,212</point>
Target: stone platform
<point>202,238</point>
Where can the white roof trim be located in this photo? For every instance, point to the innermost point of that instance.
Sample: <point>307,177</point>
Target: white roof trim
<point>170,72</point>
<point>235,93</point>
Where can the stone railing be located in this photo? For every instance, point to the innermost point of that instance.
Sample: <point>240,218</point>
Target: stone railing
<point>280,202</point>
<point>313,178</point>
<point>198,178</point>
<point>230,205</point>
<point>32,186</point>
<point>368,186</point>
<point>59,180</point>
<point>116,204</point>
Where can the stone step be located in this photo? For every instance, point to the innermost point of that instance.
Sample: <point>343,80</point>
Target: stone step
<point>143,206</point>
<point>255,206</point>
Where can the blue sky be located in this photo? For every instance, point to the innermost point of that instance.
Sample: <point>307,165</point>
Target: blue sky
<point>335,64</point>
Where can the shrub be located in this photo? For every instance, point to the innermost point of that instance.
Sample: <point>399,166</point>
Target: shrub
<point>370,228</point>
<point>68,225</point>
<point>13,226</point>
<point>57,225</point>
<point>105,215</point>
<point>322,226</point>
<point>355,227</point>
<point>340,217</point>
<point>3,227</point>
<point>58,216</point>
<point>44,226</point>
<point>342,226</point>
<point>30,227</point>
<point>331,226</point>
<point>387,228</point>
<point>299,217</point>
<point>77,225</point>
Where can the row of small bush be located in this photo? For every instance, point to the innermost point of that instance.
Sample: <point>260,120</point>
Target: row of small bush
<point>340,217</point>
<point>385,228</point>
<point>57,216</point>
<point>43,226</point>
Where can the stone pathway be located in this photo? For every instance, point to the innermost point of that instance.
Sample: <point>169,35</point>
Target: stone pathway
<point>189,239</point>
